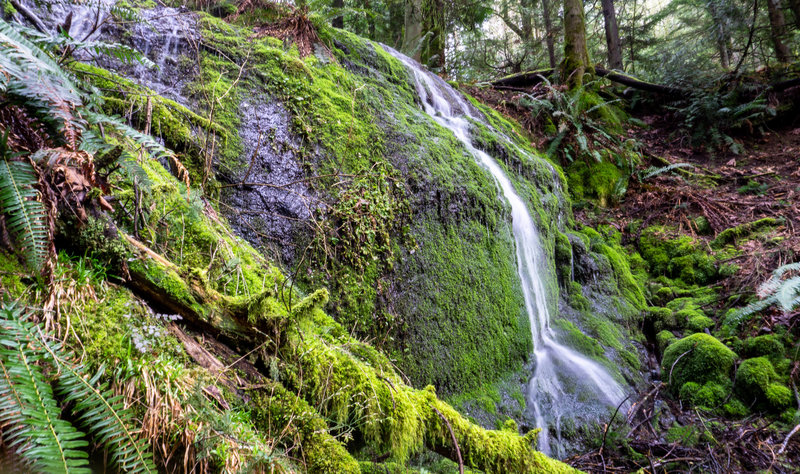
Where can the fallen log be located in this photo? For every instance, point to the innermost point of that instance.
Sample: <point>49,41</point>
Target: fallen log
<point>631,81</point>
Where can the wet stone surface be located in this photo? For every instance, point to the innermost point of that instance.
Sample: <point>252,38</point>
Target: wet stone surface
<point>270,201</point>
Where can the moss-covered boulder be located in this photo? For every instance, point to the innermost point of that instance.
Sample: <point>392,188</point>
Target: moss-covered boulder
<point>756,380</point>
<point>681,257</point>
<point>699,358</point>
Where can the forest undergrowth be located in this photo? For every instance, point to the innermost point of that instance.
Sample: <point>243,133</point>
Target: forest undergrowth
<point>719,192</point>
<point>713,221</point>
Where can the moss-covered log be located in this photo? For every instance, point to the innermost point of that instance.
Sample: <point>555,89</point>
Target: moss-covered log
<point>348,382</point>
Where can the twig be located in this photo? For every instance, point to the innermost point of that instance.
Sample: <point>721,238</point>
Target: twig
<point>453,437</point>
<point>788,437</point>
<point>669,380</point>
<point>605,431</point>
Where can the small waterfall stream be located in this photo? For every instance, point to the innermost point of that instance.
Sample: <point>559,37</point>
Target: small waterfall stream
<point>564,382</point>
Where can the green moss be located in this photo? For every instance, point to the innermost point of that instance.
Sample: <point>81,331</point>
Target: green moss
<point>735,408</point>
<point>756,379</point>
<point>779,396</point>
<point>769,345</point>
<point>681,257</point>
<point>631,289</point>
<point>697,358</point>
<point>699,323</point>
<point>708,396</point>
<point>601,181</point>
<point>730,236</point>
<point>687,435</point>
<point>11,275</point>
<point>664,339</point>
<point>281,409</point>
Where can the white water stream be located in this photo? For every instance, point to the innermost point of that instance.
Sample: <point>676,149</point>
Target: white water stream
<point>564,381</point>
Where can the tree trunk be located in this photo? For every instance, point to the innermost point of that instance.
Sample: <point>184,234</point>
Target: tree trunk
<point>721,33</point>
<point>612,35</point>
<point>338,21</point>
<point>424,38</point>
<point>434,27</point>
<point>548,30</point>
<point>412,34</point>
<point>576,55</point>
<point>778,28</point>
<point>795,6</point>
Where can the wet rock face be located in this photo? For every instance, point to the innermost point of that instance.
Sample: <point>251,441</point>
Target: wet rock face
<point>274,202</point>
<point>584,267</point>
<point>169,37</point>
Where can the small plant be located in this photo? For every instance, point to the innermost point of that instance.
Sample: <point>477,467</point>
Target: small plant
<point>577,122</point>
<point>782,290</point>
<point>754,187</point>
<point>711,116</point>
<point>31,364</point>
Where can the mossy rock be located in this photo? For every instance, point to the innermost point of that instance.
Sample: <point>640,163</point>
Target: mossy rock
<point>768,345</point>
<point>600,181</point>
<point>757,380</point>
<point>699,358</point>
<point>747,230</point>
<point>708,396</point>
<point>699,323</point>
<point>682,258</point>
<point>664,339</point>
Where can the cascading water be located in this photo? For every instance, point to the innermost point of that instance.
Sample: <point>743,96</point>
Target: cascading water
<point>564,382</point>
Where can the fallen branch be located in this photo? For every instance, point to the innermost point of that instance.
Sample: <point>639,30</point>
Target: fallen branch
<point>29,15</point>
<point>788,437</point>
<point>455,442</point>
<point>631,81</point>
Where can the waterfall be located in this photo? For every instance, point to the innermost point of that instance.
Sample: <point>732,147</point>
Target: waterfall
<point>564,382</point>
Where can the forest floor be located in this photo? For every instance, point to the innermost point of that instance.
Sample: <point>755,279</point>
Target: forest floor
<point>700,193</point>
<point>728,190</point>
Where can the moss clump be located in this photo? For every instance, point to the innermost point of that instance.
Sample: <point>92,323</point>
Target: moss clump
<point>11,274</point>
<point>703,359</point>
<point>778,395</point>
<point>681,258</point>
<point>664,339</point>
<point>601,181</point>
<point>768,345</point>
<point>699,323</point>
<point>730,236</point>
<point>757,380</point>
<point>708,396</point>
<point>735,408</point>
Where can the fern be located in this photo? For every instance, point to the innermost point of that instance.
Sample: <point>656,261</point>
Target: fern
<point>38,83</point>
<point>94,406</point>
<point>653,171</point>
<point>780,291</point>
<point>50,443</point>
<point>103,415</point>
<point>27,218</point>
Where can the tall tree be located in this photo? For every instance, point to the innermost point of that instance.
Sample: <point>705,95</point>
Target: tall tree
<point>576,55</point>
<point>721,31</point>
<point>424,34</point>
<point>338,21</point>
<point>612,35</point>
<point>778,30</point>
<point>549,33</point>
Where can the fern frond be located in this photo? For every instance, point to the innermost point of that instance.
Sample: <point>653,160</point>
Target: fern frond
<point>39,83</point>
<point>103,415</point>
<point>96,408</point>
<point>50,443</point>
<point>653,171</point>
<point>27,217</point>
<point>149,143</point>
